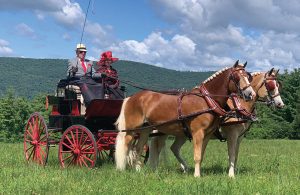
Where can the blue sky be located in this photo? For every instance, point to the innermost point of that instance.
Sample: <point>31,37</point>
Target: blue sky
<point>194,35</point>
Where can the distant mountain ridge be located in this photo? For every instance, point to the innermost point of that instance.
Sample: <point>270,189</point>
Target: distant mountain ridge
<point>29,77</point>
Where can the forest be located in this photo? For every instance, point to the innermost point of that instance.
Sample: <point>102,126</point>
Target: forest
<point>26,82</point>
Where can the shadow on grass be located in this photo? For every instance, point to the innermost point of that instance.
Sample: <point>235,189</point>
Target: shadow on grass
<point>217,169</point>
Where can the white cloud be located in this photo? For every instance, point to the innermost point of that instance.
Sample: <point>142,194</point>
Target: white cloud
<point>5,50</point>
<point>70,15</point>
<point>67,37</point>
<point>155,49</point>
<point>266,33</point>
<point>25,30</point>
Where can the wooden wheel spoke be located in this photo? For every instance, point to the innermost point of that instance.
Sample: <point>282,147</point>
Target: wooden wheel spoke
<point>43,144</point>
<point>30,154</point>
<point>67,146</point>
<point>72,135</point>
<point>67,137</point>
<point>29,148</point>
<point>41,131</point>
<point>71,161</point>
<point>66,151</point>
<point>87,147</point>
<point>30,125</point>
<point>84,162</point>
<point>27,140</point>
<point>84,156</point>
<point>66,158</point>
<point>43,153</point>
<point>81,136</point>
<point>79,161</point>
<point>83,143</point>
<point>36,124</point>
<point>29,133</point>
<point>89,152</point>
<point>77,136</point>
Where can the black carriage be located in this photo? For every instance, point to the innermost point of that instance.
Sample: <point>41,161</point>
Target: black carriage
<point>82,136</point>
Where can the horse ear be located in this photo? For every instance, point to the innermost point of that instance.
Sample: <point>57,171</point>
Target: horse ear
<point>277,72</point>
<point>236,64</point>
<point>270,72</point>
<point>245,64</point>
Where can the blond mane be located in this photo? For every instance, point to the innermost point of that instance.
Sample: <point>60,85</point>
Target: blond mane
<point>215,75</point>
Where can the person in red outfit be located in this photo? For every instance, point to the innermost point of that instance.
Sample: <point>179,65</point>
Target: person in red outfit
<point>104,67</point>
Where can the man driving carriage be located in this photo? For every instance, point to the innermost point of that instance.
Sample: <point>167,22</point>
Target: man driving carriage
<point>79,66</point>
<point>89,84</point>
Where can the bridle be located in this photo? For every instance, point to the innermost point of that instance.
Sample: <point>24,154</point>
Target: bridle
<point>269,84</point>
<point>236,80</point>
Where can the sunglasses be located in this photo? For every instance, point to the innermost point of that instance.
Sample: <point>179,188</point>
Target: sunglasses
<point>82,51</point>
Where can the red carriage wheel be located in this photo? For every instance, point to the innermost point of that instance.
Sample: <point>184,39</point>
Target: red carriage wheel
<point>77,147</point>
<point>106,141</point>
<point>36,139</point>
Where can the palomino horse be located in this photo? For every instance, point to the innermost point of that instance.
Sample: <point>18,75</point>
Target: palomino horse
<point>265,86</point>
<point>165,111</point>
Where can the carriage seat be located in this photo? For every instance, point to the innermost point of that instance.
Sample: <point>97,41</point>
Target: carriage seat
<point>69,90</point>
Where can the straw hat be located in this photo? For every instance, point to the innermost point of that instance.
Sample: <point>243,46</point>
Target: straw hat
<point>80,47</point>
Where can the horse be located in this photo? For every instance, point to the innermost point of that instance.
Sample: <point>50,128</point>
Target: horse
<point>265,86</point>
<point>195,111</point>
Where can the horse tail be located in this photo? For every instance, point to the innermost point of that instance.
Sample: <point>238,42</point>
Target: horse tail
<point>121,149</point>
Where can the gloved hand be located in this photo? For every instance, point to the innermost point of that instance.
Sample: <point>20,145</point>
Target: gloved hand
<point>74,69</point>
<point>103,75</point>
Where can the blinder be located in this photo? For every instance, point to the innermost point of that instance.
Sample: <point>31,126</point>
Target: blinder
<point>250,77</point>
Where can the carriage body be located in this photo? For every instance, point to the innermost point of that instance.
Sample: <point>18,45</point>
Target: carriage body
<point>81,137</point>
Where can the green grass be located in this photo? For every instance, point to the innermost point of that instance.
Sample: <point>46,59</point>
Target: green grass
<point>265,167</point>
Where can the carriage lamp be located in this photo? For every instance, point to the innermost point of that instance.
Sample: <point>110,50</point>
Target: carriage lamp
<point>60,92</point>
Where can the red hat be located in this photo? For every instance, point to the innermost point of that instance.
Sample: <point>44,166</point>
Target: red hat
<point>107,56</point>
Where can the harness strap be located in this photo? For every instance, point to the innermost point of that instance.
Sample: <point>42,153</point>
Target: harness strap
<point>211,102</point>
<point>186,129</point>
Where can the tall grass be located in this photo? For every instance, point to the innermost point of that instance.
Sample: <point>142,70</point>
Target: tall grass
<point>265,167</point>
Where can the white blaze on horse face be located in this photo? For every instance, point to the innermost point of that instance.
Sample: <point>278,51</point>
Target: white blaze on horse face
<point>248,92</point>
<point>277,100</point>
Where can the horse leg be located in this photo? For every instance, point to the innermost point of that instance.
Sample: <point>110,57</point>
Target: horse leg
<point>143,138</point>
<point>204,145</point>
<point>156,145</point>
<point>198,142</point>
<point>176,146</point>
<point>233,143</point>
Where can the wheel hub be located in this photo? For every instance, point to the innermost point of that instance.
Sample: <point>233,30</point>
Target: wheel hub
<point>76,151</point>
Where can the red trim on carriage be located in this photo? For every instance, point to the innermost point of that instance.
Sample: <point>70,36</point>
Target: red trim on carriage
<point>55,111</point>
<point>75,108</point>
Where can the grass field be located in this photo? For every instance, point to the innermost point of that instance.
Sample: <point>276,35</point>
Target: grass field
<point>265,167</point>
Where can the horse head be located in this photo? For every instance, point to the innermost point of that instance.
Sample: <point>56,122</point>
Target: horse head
<point>240,81</point>
<point>269,89</point>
